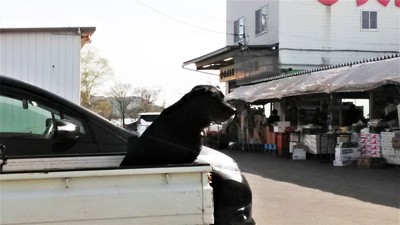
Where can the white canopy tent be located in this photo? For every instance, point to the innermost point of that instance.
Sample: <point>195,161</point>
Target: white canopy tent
<point>353,78</point>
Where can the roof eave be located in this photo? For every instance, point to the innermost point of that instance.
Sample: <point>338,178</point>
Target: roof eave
<point>217,54</point>
<point>85,32</point>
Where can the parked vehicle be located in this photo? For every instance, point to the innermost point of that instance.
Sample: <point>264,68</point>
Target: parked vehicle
<point>60,163</point>
<point>217,136</point>
<point>143,122</point>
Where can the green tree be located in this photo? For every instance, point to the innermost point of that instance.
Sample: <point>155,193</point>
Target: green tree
<point>95,70</point>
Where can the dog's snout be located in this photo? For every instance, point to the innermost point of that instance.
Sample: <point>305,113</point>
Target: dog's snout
<point>232,118</point>
<point>231,109</point>
<point>230,112</point>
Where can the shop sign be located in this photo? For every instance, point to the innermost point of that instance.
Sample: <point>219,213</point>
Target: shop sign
<point>227,74</point>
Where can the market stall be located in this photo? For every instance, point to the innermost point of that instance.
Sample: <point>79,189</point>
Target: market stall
<point>322,92</point>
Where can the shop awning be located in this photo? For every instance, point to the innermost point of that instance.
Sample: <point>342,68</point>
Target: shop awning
<point>352,78</point>
<point>223,57</point>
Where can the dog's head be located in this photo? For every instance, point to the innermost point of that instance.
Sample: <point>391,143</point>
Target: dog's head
<point>210,100</point>
<point>174,137</point>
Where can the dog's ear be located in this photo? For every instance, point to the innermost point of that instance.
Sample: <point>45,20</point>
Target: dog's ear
<point>201,88</point>
<point>213,90</point>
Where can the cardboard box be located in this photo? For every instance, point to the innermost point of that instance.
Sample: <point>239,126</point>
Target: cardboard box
<point>371,162</point>
<point>387,151</point>
<point>299,154</point>
<point>372,147</point>
<point>364,162</point>
<point>396,142</point>
<point>373,136</point>
<point>295,137</point>
<point>373,142</point>
<point>295,144</point>
<point>393,159</point>
<point>386,143</point>
<point>343,138</point>
<point>390,134</point>
<point>281,125</point>
<point>343,163</point>
<point>370,153</point>
<point>347,153</point>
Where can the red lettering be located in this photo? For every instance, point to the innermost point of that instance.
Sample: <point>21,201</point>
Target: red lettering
<point>361,2</point>
<point>384,2</point>
<point>328,2</point>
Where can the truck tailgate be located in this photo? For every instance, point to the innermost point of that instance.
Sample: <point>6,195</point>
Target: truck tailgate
<point>167,195</point>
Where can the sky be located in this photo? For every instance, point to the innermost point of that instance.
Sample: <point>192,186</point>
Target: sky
<point>145,41</point>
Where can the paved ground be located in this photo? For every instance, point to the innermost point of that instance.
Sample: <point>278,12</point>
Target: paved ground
<point>309,192</point>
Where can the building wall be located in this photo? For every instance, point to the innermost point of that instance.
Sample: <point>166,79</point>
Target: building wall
<point>247,8</point>
<point>311,34</point>
<point>319,35</point>
<point>50,60</point>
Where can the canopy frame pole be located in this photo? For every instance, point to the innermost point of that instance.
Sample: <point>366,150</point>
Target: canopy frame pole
<point>330,119</point>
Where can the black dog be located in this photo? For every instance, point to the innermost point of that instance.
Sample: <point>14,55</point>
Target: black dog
<point>174,137</point>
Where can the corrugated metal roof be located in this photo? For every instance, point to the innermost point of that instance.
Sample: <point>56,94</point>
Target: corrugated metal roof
<point>282,76</point>
<point>348,77</point>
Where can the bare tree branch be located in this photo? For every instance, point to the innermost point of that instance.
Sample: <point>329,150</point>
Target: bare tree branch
<point>121,95</point>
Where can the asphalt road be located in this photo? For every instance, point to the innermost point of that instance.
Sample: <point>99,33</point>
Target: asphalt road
<point>309,192</point>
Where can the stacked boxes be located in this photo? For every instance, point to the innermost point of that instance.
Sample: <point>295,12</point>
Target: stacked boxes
<point>319,144</point>
<point>293,141</point>
<point>346,153</point>
<point>390,146</point>
<point>313,143</point>
<point>291,145</point>
<point>369,144</point>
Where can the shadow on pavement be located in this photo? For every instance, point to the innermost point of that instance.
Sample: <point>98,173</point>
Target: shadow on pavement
<point>378,186</point>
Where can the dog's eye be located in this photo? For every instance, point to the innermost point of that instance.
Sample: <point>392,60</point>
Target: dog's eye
<point>219,96</point>
<point>216,95</point>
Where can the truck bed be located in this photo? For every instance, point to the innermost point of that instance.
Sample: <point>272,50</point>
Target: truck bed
<point>62,192</point>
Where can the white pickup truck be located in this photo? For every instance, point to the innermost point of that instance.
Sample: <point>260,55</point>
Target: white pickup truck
<point>59,164</point>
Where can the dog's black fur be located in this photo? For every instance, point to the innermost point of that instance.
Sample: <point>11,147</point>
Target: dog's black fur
<point>175,136</point>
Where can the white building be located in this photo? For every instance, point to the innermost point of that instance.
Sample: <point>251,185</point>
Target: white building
<point>46,57</point>
<point>271,37</point>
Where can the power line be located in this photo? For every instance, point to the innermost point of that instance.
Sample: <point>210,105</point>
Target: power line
<point>200,13</point>
<point>180,21</point>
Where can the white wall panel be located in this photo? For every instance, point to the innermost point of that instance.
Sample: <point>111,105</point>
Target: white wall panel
<point>50,60</point>
<point>310,24</point>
